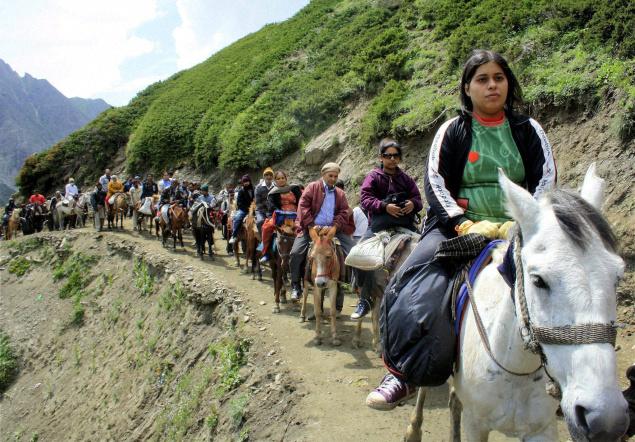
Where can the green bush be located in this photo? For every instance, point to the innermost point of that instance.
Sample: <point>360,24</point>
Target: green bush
<point>19,266</point>
<point>8,363</point>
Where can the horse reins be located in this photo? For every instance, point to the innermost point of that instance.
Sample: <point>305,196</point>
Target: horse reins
<point>532,335</point>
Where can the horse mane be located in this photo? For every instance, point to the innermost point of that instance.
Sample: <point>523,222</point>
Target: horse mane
<point>578,219</point>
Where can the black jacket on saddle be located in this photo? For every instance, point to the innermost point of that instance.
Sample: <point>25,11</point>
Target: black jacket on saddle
<point>244,198</point>
<point>261,194</point>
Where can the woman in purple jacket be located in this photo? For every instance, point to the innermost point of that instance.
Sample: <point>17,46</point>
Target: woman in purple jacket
<point>391,199</point>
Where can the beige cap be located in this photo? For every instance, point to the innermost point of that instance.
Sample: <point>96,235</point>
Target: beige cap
<point>330,167</point>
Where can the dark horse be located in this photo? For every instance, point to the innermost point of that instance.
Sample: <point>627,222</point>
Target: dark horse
<point>283,242</point>
<point>202,220</point>
<point>33,219</point>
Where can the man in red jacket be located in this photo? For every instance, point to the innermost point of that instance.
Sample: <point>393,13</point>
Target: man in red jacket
<point>37,198</point>
<point>321,204</point>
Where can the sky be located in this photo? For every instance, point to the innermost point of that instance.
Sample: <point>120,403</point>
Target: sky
<point>114,49</point>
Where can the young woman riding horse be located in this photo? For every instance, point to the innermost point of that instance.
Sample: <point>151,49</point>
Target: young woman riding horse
<point>461,178</point>
<point>283,200</point>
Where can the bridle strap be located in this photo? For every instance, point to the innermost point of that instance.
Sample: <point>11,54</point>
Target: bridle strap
<point>483,333</point>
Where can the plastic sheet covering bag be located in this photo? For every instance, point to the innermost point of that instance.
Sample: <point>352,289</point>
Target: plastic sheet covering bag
<point>146,207</point>
<point>368,254</point>
<point>111,200</point>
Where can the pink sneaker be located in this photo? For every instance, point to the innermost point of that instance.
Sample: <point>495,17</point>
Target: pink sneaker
<point>390,393</point>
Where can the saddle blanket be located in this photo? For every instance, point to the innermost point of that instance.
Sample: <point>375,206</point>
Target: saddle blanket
<point>164,213</point>
<point>146,207</point>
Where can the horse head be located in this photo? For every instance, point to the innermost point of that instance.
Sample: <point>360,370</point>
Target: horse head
<point>570,270</point>
<point>284,241</point>
<point>326,266</point>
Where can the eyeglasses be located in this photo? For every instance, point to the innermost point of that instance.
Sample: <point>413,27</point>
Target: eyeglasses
<point>392,156</point>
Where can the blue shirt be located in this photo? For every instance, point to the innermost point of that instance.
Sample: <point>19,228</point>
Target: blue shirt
<point>327,211</point>
<point>209,199</point>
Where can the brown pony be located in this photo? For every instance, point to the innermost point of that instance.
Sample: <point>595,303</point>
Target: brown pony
<point>280,261</point>
<point>117,210</point>
<point>178,219</point>
<point>323,272</point>
<point>248,237</point>
<point>13,224</point>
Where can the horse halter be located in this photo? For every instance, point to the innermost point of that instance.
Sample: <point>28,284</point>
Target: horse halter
<point>332,264</point>
<point>534,335</point>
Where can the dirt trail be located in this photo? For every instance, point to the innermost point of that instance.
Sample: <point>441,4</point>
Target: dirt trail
<point>335,380</point>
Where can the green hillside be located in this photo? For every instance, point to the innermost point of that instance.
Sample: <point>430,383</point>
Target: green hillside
<point>269,93</point>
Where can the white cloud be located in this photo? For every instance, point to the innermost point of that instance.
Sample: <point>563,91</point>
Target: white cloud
<point>77,45</point>
<point>194,39</point>
<point>209,25</point>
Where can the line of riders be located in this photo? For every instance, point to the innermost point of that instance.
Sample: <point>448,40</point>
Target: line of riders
<point>312,231</point>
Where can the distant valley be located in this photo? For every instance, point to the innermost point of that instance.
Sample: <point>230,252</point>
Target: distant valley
<point>33,116</point>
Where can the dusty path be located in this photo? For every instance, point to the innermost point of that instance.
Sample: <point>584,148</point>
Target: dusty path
<point>336,379</point>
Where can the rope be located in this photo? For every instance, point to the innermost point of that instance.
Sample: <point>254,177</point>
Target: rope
<point>483,333</point>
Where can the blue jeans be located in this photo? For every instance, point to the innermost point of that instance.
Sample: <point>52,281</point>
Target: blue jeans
<point>237,220</point>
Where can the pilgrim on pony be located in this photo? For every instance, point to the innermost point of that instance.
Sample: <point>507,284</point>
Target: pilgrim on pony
<point>323,215</point>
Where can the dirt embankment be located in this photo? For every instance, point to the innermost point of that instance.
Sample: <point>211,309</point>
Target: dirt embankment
<point>160,352</point>
<point>170,347</point>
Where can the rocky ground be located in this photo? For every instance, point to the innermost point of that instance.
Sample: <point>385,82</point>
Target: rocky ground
<point>159,352</point>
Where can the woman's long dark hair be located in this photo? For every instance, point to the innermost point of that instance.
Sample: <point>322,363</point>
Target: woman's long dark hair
<point>478,58</point>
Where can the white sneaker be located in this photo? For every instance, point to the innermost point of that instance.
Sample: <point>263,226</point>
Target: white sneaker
<point>232,240</point>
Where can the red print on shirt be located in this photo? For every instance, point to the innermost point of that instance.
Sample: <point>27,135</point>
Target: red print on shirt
<point>473,157</point>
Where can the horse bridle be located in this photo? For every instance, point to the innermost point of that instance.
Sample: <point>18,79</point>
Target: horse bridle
<point>331,266</point>
<point>534,335</point>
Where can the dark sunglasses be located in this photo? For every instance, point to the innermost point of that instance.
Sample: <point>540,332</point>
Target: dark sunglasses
<point>392,156</point>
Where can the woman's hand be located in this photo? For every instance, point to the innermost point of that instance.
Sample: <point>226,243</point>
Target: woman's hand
<point>393,210</point>
<point>407,208</point>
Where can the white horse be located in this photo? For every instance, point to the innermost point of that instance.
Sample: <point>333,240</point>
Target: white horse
<point>559,324</point>
<point>81,209</point>
<point>64,209</point>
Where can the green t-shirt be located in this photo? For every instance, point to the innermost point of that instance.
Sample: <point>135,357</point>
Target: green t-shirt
<point>480,194</point>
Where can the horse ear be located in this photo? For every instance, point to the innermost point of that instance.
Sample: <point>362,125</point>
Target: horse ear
<point>593,188</point>
<point>313,234</point>
<point>519,203</point>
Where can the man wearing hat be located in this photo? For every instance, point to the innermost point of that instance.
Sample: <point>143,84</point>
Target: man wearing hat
<point>263,211</point>
<point>71,189</point>
<point>321,204</point>
<point>97,199</point>
<point>206,197</point>
<point>243,201</point>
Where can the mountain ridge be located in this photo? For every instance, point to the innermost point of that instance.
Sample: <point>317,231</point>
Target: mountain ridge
<point>33,116</point>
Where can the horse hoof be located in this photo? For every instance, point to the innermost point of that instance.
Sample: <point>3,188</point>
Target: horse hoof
<point>302,319</point>
<point>336,342</point>
<point>318,341</point>
<point>275,309</point>
<point>283,300</point>
<point>356,344</point>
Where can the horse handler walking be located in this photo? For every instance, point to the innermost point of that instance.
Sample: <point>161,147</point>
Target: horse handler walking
<point>97,201</point>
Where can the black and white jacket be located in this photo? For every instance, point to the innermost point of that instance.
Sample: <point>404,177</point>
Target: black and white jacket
<point>448,156</point>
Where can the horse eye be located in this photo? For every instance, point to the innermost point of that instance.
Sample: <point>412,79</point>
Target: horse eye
<point>539,282</point>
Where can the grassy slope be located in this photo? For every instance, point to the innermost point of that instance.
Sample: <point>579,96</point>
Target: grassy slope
<point>269,93</point>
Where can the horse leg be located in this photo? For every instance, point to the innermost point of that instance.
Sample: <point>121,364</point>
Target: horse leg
<point>305,294</point>
<point>474,431</point>
<point>413,433</point>
<point>317,308</point>
<point>276,287</point>
<point>375,324</point>
<point>455,416</point>
<point>357,337</point>
<point>332,290</point>
<point>181,238</point>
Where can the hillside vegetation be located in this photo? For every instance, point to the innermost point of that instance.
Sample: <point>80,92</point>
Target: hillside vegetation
<point>268,94</point>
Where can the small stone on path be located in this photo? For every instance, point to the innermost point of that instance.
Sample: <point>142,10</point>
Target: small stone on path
<point>246,318</point>
<point>263,303</point>
<point>262,328</point>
